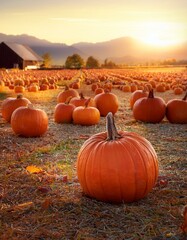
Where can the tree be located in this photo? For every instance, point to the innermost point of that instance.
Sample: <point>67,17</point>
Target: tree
<point>92,62</point>
<point>47,60</point>
<point>109,64</point>
<point>74,61</point>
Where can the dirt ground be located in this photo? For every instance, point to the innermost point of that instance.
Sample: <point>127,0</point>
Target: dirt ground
<point>50,204</point>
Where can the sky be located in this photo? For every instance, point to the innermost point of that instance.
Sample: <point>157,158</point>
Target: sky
<point>160,22</point>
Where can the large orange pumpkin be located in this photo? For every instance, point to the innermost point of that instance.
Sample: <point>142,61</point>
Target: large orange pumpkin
<point>10,104</point>
<point>86,115</point>
<point>63,112</point>
<point>29,121</point>
<point>176,110</point>
<point>117,166</point>
<point>106,102</point>
<point>149,109</point>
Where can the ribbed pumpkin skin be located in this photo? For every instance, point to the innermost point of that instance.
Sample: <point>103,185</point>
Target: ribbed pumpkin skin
<point>86,116</point>
<point>176,111</point>
<point>137,95</point>
<point>106,102</point>
<point>63,96</point>
<point>29,122</point>
<point>150,110</point>
<point>63,113</point>
<point>122,170</point>
<point>10,104</point>
<point>77,102</point>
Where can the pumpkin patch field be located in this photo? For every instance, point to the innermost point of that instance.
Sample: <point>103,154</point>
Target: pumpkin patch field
<point>68,172</point>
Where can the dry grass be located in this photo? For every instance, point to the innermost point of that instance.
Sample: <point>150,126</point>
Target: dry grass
<point>47,206</point>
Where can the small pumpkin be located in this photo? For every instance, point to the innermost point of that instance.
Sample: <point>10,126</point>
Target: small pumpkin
<point>149,109</point>
<point>19,89</point>
<point>117,166</point>
<point>64,111</point>
<point>80,101</point>
<point>106,102</point>
<point>176,110</point>
<point>62,96</point>
<point>10,104</point>
<point>86,115</point>
<point>137,95</point>
<point>29,121</point>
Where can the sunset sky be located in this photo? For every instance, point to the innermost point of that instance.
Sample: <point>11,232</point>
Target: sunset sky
<point>161,22</point>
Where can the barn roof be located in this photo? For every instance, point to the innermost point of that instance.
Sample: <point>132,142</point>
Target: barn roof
<point>25,52</point>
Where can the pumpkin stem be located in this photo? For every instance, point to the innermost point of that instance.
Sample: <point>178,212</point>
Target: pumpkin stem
<point>30,106</point>
<point>106,90</point>
<point>151,95</point>
<point>87,102</point>
<point>66,87</point>
<point>81,95</point>
<point>19,96</point>
<point>185,97</point>
<point>68,100</point>
<point>112,132</point>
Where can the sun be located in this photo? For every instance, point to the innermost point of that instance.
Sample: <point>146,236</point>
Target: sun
<point>158,34</point>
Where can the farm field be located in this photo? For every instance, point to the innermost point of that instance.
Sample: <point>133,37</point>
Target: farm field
<point>48,202</point>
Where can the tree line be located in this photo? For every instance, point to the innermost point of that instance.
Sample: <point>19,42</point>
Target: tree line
<point>75,61</point>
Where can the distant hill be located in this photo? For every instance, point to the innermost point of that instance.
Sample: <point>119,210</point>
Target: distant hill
<point>121,50</point>
<point>58,51</point>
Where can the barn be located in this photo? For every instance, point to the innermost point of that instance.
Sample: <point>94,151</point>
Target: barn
<point>14,55</point>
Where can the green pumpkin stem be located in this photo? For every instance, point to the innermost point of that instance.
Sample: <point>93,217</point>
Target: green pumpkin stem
<point>112,133</point>
<point>151,94</point>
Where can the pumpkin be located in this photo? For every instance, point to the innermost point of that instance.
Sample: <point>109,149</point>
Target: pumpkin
<point>29,121</point>
<point>2,86</point>
<point>33,88</point>
<point>80,101</point>
<point>160,88</point>
<point>19,89</point>
<point>62,96</point>
<point>176,110</point>
<point>63,112</point>
<point>106,102</point>
<point>137,95</point>
<point>178,90</point>
<point>99,90</point>
<point>117,166</point>
<point>10,104</point>
<point>149,109</point>
<point>86,115</point>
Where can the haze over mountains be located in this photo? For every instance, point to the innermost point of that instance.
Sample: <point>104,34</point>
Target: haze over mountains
<point>125,50</point>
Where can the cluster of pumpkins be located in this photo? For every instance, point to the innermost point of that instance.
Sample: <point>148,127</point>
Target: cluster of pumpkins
<point>74,107</point>
<point>148,108</point>
<point>112,166</point>
<point>25,120</point>
<point>28,121</point>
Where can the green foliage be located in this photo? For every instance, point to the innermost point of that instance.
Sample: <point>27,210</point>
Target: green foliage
<point>47,60</point>
<point>108,64</point>
<point>74,61</point>
<point>92,62</point>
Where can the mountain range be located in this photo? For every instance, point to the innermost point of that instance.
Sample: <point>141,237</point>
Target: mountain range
<point>124,50</point>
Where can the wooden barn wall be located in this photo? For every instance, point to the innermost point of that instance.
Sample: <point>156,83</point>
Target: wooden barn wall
<point>8,58</point>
